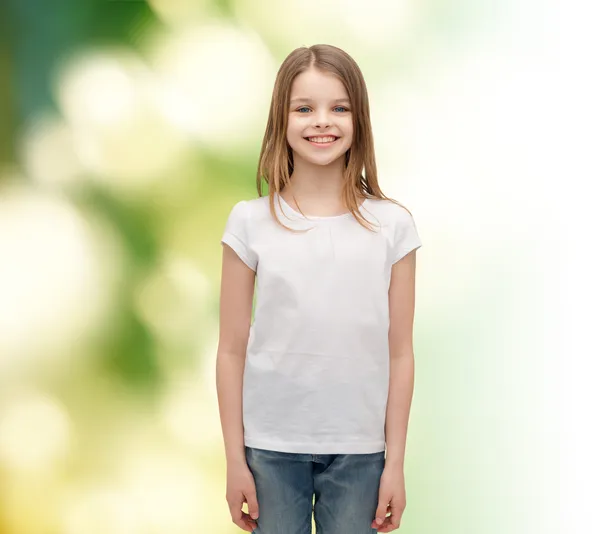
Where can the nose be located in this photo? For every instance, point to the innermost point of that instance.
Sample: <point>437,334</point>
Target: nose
<point>322,119</point>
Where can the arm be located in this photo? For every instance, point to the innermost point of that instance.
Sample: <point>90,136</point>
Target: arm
<point>237,290</point>
<point>402,304</point>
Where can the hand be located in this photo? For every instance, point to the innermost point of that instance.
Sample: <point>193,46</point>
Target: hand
<point>240,489</point>
<point>392,498</point>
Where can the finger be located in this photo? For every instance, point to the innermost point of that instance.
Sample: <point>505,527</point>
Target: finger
<point>396,515</point>
<point>249,522</point>
<point>386,526</point>
<point>240,518</point>
<point>252,505</point>
<point>391,523</point>
<point>242,523</point>
<point>381,512</point>
<point>374,523</point>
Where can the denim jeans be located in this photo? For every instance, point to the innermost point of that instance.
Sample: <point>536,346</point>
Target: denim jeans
<point>345,489</point>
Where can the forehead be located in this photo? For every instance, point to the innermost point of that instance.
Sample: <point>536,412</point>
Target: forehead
<point>314,84</point>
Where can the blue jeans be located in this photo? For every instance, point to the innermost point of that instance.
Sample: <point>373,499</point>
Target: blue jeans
<point>345,489</point>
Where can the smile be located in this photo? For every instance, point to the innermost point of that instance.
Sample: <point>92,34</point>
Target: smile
<point>322,141</point>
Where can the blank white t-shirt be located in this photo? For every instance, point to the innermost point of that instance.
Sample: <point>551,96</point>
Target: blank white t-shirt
<point>316,375</point>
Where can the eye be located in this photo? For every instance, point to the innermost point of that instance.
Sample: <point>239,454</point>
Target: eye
<point>343,108</point>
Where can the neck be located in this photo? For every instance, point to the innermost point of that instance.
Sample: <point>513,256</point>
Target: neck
<point>322,182</point>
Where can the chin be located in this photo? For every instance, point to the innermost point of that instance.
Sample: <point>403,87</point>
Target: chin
<point>321,161</point>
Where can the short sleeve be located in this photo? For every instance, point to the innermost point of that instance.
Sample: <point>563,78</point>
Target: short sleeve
<point>236,234</point>
<point>406,237</point>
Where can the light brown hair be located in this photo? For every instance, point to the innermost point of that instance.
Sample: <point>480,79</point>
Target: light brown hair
<point>276,158</point>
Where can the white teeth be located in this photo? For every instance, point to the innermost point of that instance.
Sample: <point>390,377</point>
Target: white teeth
<point>321,139</point>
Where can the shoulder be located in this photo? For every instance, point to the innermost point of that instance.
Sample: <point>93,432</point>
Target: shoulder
<point>390,211</point>
<point>256,210</point>
<point>249,208</point>
<point>257,206</point>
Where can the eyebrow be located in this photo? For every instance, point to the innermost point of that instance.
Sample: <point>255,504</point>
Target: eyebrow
<point>305,99</point>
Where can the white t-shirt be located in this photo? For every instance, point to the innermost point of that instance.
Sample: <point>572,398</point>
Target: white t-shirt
<point>316,375</point>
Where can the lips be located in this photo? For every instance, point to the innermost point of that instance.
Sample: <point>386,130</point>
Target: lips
<point>335,138</point>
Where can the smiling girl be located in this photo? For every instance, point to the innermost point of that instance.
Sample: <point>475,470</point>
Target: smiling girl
<point>315,393</point>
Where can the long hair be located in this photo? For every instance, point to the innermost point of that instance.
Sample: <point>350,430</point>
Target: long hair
<point>276,163</point>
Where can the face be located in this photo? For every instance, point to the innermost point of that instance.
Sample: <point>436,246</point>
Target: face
<point>319,107</point>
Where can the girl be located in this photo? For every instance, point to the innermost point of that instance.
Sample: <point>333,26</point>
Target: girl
<point>317,389</point>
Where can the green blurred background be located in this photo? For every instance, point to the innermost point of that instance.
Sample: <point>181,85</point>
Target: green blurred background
<point>128,131</point>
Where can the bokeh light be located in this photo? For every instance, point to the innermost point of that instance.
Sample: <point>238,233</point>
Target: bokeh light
<point>48,153</point>
<point>23,420</point>
<point>56,287</point>
<point>178,13</point>
<point>216,81</point>
<point>121,136</point>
